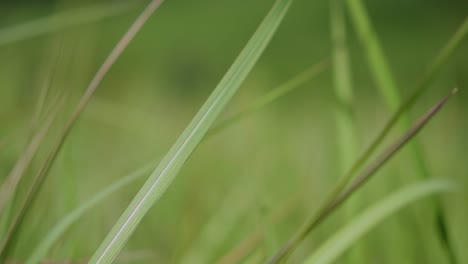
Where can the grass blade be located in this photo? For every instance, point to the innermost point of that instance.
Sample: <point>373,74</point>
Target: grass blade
<point>166,171</point>
<point>60,21</point>
<point>347,236</point>
<point>329,207</point>
<point>344,114</point>
<point>375,55</point>
<point>5,244</point>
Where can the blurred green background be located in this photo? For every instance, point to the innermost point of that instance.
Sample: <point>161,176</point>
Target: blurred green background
<point>285,155</point>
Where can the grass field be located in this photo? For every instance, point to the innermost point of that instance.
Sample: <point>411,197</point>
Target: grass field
<point>268,131</point>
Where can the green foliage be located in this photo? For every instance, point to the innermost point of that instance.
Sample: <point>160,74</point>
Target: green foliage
<point>243,192</point>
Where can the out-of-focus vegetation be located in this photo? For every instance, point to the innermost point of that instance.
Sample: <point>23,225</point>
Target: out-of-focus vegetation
<point>318,96</point>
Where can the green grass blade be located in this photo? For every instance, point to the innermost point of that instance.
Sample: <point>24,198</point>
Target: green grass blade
<point>169,167</point>
<point>344,238</point>
<point>60,21</point>
<point>375,55</point>
<point>342,82</point>
<point>39,178</point>
<point>343,86</point>
<point>330,206</point>
<point>344,114</point>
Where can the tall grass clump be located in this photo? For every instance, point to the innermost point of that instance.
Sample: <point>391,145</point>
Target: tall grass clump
<point>258,162</point>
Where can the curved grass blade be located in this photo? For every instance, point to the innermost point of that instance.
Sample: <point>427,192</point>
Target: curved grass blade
<point>323,212</point>
<point>62,226</point>
<point>344,238</point>
<point>169,167</point>
<point>5,244</point>
<point>60,21</point>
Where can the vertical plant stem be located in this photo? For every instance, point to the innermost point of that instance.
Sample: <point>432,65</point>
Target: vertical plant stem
<point>342,83</point>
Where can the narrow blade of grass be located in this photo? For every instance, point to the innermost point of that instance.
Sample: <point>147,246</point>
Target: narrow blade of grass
<point>169,167</point>
<point>347,236</point>
<point>369,171</point>
<point>60,21</point>
<point>377,61</point>
<point>5,244</point>
<point>344,114</point>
